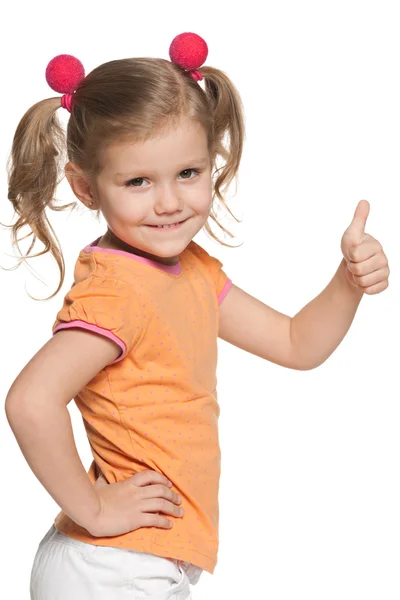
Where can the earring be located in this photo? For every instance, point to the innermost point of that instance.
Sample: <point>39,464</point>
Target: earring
<point>91,203</point>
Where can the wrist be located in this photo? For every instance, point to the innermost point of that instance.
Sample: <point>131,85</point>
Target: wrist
<point>90,519</point>
<point>343,278</point>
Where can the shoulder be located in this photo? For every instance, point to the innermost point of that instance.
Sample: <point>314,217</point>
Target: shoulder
<point>101,303</point>
<point>102,266</point>
<point>201,255</point>
<point>213,267</point>
<point>99,275</point>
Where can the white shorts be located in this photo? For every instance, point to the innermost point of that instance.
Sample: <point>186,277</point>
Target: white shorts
<point>66,569</point>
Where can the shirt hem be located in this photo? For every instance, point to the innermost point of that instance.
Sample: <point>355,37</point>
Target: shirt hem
<point>175,550</point>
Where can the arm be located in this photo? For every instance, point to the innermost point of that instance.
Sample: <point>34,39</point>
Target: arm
<point>309,338</point>
<point>36,408</point>
<point>321,325</point>
<point>302,342</point>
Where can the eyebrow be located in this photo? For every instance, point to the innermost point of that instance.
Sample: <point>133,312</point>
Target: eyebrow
<point>192,161</point>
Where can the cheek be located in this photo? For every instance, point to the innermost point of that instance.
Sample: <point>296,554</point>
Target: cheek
<point>125,208</point>
<point>201,199</point>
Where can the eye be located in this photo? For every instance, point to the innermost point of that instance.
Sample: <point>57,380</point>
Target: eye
<point>186,173</point>
<point>137,182</point>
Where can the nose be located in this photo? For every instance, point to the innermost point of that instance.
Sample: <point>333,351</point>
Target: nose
<point>168,200</point>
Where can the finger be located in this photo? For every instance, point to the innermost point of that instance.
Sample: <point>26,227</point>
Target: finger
<point>377,288</point>
<point>372,263</point>
<point>364,250</point>
<point>148,477</point>
<point>371,279</point>
<point>153,520</point>
<point>160,491</point>
<point>357,226</point>
<point>155,505</point>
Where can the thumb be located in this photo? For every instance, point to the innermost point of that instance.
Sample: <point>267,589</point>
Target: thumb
<point>356,230</point>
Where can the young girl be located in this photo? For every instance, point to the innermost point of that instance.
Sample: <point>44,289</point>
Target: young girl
<point>136,338</point>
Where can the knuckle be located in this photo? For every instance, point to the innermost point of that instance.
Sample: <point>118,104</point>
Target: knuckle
<point>164,522</point>
<point>146,519</point>
<point>160,491</point>
<point>383,262</point>
<point>159,503</point>
<point>361,281</point>
<point>157,521</point>
<point>352,253</point>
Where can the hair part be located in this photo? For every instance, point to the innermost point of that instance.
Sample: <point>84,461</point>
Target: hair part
<point>119,100</point>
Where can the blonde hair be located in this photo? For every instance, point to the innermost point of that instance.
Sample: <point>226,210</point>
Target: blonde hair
<point>126,98</point>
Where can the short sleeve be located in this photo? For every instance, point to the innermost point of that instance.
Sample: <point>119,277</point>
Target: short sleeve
<point>107,307</point>
<point>221,282</point>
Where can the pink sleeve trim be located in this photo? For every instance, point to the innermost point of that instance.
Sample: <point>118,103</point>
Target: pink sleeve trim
<point>95,329</point>
<point>224,290</point>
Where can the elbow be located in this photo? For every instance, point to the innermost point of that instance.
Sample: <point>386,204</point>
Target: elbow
<point>19,408</point>
<point>13,408</point>
<point>303,357</point>
<point>10,405</point>
<point>13,405</point>
<point>308,365</point>
<point>301,366</point>
<point>301,362</point>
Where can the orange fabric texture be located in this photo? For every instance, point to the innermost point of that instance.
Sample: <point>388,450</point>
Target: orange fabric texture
<point>156,406</point>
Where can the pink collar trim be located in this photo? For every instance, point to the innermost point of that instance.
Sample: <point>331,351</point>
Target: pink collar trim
<point>174,269</point>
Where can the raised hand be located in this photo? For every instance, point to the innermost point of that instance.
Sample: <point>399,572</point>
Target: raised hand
<point>367,264</point>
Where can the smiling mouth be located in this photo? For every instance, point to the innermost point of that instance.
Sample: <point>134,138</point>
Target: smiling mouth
<point>169,226</point>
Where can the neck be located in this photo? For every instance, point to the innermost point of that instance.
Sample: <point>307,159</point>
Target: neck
<point>111,241</point>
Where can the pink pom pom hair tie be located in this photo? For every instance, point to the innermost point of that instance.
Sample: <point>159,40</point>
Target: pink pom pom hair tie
<point>66,102</point>
<point>63,74</point>
<point>189,51</point>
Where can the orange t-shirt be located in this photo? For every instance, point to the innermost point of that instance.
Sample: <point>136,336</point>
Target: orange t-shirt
<point>155,407</point>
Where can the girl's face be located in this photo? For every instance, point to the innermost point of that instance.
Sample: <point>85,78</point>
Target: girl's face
<point>165,180</point>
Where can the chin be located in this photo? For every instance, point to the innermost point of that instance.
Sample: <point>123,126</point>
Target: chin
<point>170,253</point>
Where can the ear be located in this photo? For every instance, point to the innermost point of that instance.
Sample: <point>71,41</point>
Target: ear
<point>80,185</point>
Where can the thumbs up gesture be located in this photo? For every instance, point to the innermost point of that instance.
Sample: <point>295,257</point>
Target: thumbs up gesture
<point>367,265</point>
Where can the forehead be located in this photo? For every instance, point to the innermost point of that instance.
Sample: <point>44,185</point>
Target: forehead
<point>170,146</point>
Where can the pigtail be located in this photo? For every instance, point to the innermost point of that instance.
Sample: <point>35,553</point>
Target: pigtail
<point>229,132</point>
<point>38,150</point>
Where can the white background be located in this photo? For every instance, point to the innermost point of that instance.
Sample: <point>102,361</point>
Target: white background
<point>310,488</point>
